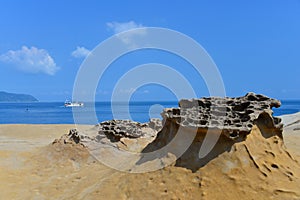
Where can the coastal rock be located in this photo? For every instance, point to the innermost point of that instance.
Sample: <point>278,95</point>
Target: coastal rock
<point>184,130</point>
<point>258,168</point>
<point>117,129</point>
<point>155,124</point>
<point>229,119</point>
<point>72,138</point>
<point>234,116</point>
<point>251,160</point>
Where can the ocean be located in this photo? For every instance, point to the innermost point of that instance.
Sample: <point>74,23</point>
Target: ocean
<point>56,113</point>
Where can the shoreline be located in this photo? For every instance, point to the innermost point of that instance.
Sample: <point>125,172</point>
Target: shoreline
<point>30,136</point>
<point>37,135</point>
<point>30,163</point>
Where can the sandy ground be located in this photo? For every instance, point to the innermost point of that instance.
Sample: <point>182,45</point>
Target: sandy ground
<point>30,168</point>
<point>291,132</point>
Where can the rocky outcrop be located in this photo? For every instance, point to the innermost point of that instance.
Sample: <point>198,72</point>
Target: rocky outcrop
<point>117,129</point>
<point>72,138</point>
<point>248,157</point>
<point>155,124</point>
<point>234,116</point>
<point>186,130</point>
<point>114,135</point>
<point>232,119</point>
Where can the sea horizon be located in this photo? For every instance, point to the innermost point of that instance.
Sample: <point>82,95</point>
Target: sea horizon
<point>140,111</point>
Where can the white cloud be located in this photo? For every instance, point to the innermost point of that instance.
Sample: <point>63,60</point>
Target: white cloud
<point>31,60</point>
<point>128,38</point>
<point>120,27</point>
<point>80,52</point>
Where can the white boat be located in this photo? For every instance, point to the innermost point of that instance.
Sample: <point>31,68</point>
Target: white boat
<point>73,104</point>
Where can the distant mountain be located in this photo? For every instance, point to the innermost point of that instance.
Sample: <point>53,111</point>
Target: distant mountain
<point>11,97</point>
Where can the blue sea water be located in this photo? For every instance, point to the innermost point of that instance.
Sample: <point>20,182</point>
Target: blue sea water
<point>56,113</point>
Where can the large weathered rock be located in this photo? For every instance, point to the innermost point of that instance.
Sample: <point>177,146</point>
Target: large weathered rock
<point>248,158</point>
<point>230,118</point>
<point>234,116</point>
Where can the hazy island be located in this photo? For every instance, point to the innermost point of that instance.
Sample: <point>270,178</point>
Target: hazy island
<point>12,97</point>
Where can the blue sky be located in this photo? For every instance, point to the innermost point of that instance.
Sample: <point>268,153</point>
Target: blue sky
<point>255,44</point>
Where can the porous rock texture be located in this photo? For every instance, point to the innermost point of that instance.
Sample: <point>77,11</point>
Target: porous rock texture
<point>117,129</point>
<point>230,119</point>
<point>249,159</point>
<point>235,116</point>
<point>115,135</point>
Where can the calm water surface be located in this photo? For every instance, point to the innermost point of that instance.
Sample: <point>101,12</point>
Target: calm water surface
<point>56,113</point>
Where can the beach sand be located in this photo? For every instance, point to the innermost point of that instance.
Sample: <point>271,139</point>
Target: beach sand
<point>32,168</point>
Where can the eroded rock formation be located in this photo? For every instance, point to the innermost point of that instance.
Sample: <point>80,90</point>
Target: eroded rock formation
<point>234,116</point>
<point>248,156</point>
<point>229,120</point>
<point>117,129</point>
